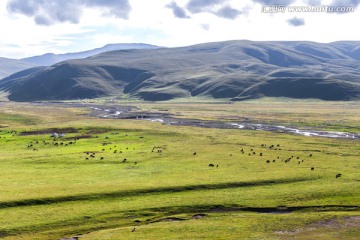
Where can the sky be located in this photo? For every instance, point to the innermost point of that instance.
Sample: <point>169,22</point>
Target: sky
<point>35,27</point>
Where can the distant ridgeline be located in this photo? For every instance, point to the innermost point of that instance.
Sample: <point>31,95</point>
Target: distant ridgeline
<point>234,70</point>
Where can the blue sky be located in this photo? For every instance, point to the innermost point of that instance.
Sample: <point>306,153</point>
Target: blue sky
<point>34,27</point>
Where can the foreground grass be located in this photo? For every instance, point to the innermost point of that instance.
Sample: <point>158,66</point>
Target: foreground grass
<point>54,191</point>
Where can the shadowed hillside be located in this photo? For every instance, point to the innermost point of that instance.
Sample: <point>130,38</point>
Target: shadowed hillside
<point>235,70</point>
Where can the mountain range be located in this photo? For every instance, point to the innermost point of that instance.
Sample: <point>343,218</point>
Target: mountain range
<point>234,70</point>
<point>10,66</point>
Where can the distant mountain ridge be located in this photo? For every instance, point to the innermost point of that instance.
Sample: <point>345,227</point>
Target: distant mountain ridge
<point>51,58</point>
<point>234,70</point>
<point>10,66</point>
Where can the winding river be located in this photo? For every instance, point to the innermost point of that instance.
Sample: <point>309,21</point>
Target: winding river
<point>127,112</point>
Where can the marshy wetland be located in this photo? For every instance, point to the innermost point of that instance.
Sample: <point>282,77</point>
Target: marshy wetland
<point>124,174</point>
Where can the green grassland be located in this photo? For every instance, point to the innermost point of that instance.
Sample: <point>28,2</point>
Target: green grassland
<point>163,190</point>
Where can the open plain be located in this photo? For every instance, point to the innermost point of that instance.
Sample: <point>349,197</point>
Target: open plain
<point>128,178</point>
<point>179,119</point>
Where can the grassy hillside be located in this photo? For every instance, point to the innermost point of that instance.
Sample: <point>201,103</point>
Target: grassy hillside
<point>13,66</point>
<point>163,190</point>
<point>233,70</point>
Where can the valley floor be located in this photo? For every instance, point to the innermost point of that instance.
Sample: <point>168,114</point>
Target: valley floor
<point>135,179</point>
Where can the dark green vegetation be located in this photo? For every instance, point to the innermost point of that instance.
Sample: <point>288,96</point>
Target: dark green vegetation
<point>176,182</point>
<point>234,70</point>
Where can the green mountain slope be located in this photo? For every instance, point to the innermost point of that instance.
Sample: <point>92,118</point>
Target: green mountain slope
<point>234,70</point>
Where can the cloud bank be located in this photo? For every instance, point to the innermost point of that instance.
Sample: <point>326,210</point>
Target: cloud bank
<point>177,10</point>
<point>219,8</point>
<point>49,12</point>
<point>228,12</point>
<point>198,6</point>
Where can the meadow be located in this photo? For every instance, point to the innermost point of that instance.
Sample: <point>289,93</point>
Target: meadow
<point>136,179</point>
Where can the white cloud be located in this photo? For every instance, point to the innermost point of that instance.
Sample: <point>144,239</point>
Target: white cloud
<point>153,22</point>
<point>50,12</point>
